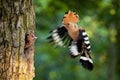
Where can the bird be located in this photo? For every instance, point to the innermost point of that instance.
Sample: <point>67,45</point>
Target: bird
<point>75,38</point>
<point>29,40</point>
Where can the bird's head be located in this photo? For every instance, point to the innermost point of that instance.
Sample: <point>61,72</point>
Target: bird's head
<point>70,20</point>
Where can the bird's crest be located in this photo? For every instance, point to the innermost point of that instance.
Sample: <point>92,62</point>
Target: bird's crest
<point>70,16</point>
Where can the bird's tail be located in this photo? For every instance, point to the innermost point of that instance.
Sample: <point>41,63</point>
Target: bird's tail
<point>86,61</point>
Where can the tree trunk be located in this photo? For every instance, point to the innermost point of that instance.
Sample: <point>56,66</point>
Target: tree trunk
<point>112,53</point>
<point>16,22</point>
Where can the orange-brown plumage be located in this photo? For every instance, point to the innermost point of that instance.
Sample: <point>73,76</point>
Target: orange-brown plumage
<point>70,21</point>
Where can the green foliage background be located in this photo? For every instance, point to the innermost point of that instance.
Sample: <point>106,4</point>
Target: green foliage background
<point>101,20</point>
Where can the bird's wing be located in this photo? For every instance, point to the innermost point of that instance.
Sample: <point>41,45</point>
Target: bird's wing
<point>85,58</point>
<point>59,36</point>
<point>86,41</point>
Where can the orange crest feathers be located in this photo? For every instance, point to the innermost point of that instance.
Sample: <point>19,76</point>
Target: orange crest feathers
<point>70,17</point>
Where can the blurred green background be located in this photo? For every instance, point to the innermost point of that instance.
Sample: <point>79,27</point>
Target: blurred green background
<point>101,20</point>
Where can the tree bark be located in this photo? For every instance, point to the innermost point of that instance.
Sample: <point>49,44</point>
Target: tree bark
<point>16,20</point>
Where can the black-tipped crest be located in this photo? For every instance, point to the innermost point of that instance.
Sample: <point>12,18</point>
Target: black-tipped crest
<point>70,16</point>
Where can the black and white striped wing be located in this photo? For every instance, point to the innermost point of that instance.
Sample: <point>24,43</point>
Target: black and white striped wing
<point>86,41</point>
<point>85,58</point>
<point>60,37</point>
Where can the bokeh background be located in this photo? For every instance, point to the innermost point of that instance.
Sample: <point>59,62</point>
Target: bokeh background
<point>101,20</point>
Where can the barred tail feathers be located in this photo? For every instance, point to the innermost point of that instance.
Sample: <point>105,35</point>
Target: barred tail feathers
<point>86,61</point>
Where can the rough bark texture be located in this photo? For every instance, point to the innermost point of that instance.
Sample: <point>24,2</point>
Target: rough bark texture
<point>16,20</point>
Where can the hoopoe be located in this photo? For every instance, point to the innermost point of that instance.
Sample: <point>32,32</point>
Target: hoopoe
<point>76,39</point>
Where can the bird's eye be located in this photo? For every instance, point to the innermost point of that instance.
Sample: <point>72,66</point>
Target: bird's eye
<point>68,23</point>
